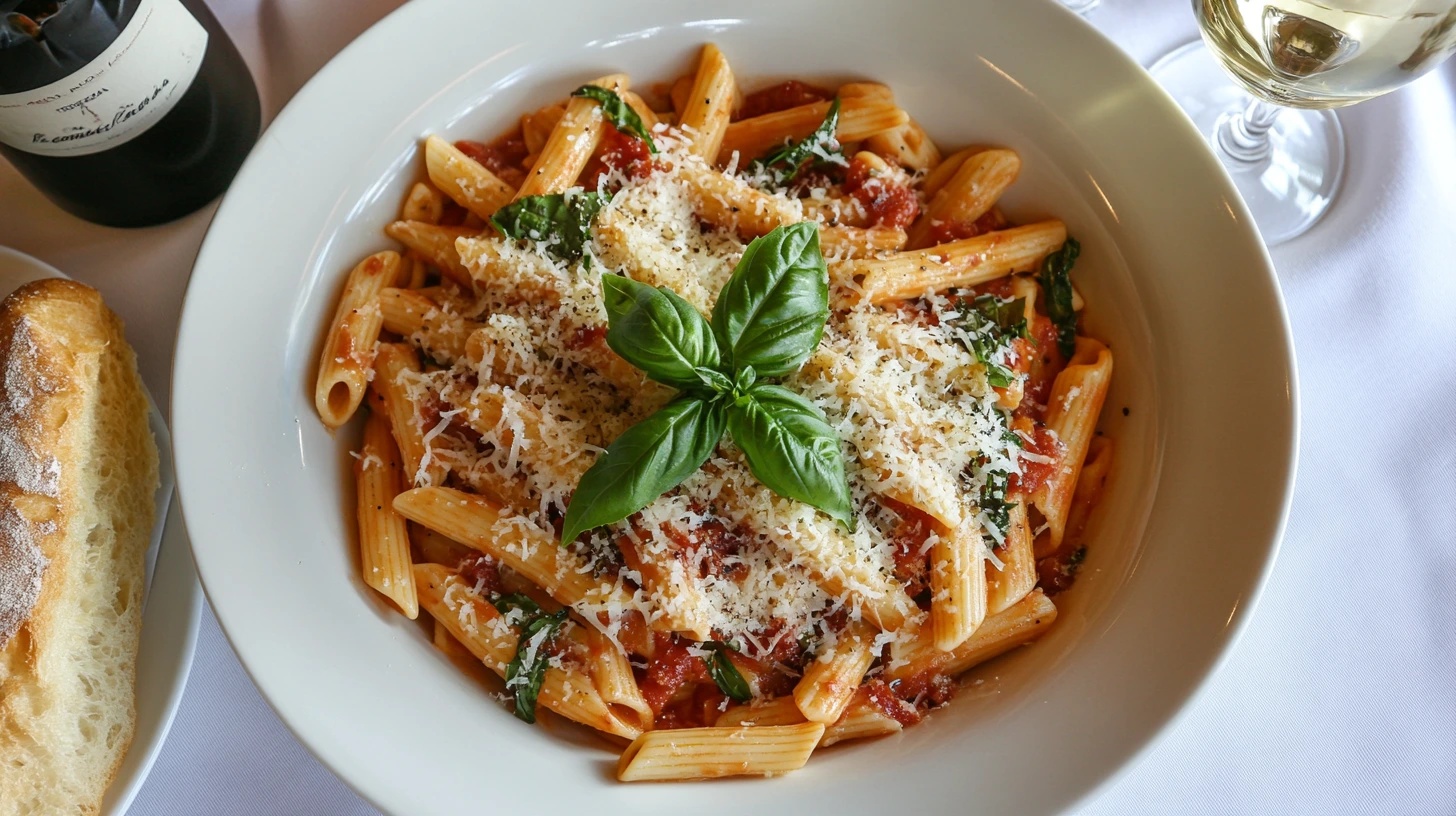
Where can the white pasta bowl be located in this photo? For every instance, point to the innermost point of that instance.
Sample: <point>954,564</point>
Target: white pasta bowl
<point>1177,281</point>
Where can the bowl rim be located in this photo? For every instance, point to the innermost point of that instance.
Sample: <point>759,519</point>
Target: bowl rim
<point>332,74</point>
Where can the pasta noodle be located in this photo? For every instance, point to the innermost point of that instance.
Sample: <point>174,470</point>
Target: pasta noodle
<point>384,546</point>
<point>348,348</point>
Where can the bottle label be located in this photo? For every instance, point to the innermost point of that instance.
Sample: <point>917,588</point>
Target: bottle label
<point>128,88</point>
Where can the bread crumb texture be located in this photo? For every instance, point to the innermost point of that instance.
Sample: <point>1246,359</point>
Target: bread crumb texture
<point>78,473</point>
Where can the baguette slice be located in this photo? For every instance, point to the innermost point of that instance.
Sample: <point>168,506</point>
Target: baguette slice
<point>78,469</point>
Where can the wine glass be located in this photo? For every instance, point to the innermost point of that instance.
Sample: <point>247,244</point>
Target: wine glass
<point>1081,6</point>
<point>1293,60</point>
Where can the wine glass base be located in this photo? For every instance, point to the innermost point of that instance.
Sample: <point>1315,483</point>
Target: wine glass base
<point>1291,187</point>
<point>1081,6</point>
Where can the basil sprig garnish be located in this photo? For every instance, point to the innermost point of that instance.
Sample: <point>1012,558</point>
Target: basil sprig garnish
<point>618,112</point>
<point>987,325</point>
<point>720,667</point>
<point>527,669</point>
<point>768,319</point>
<point>785,163</point>
<point>992,500</point>
<point>1056,286</point>
<point>560,222</point>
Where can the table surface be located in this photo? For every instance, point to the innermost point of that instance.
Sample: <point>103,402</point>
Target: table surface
<point>1339,697</point>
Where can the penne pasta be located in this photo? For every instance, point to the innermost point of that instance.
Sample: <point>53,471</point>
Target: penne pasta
<point>860,242</point>
<point>778,711</point>
<point>859,117</point>
<point>1072,410</point>
<point>861,720</point>
<point>435,244</point>
<point>348,351</point>
<point>1088,493</point>
<point>961,263</point>
<point>937,178</point>
<point>481,629</point>
<point>1018,625</point>
<point>611,672</point>
<point>969,194</point>
<point>570,144</point>
<point>957,585</point>
<point>464,180</point>
<point>392,363</point>
<point>729,202</point>
<point>384,545</point>
<point>829,682</point>
<point>708,105</point>
<point>710,753</point>
<point>424,204</point>
<point>413,315</point>
<point>536,126</point>
<point>484,525</point>
<point>1016,576</point>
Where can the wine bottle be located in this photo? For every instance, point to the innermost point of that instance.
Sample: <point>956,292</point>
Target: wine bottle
<point>124,112</point>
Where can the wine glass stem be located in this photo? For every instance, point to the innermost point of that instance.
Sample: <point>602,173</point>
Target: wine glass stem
<point>1243,137</point>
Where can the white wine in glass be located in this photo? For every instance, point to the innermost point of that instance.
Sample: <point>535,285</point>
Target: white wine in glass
<point>1305,55</point>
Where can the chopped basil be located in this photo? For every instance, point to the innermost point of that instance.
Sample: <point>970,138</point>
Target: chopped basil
<point>987,325</point>
<point>784,164</point>
<point>618,112</point>
<point>560,222</point>
<point>527,670</point>
<point>993,499</point>
<point>1056,287</point>
<point>720,667</point>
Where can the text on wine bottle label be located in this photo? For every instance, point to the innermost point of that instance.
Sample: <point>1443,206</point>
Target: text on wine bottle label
<point>129,87</point>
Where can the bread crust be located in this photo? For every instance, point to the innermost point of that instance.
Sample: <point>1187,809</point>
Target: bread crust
<point>78,470</point>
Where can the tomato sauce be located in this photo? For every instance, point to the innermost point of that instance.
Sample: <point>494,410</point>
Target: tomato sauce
<point>430,415</point>
<point>908,538</point>
<point>1058,572</point>
<point>617,151</point>
<point>785,95</point>
<point>712,546</point>
<point>482,572</point>
<point>887,204</point>
<point>1046,363</point>
<point>1034,474</point>
<point>879,694</point>
<point>503,157</point>
<point>671,667</point>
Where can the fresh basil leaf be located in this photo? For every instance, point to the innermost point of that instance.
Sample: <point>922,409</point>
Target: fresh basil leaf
<point>657,331</point>
<point>647,460</point>
<point>715,380</point>
<point>730,681</point>
<point>771,313</point>
<point>747,376</point>
<point>527,670</point>
<point>792,449</point>
<point>618,112</point>
<point>1056,287</point>
<point>561,222</point>
<point>786,162</point>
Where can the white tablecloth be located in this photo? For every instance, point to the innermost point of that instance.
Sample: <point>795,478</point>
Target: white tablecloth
<point>1339,699</point>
